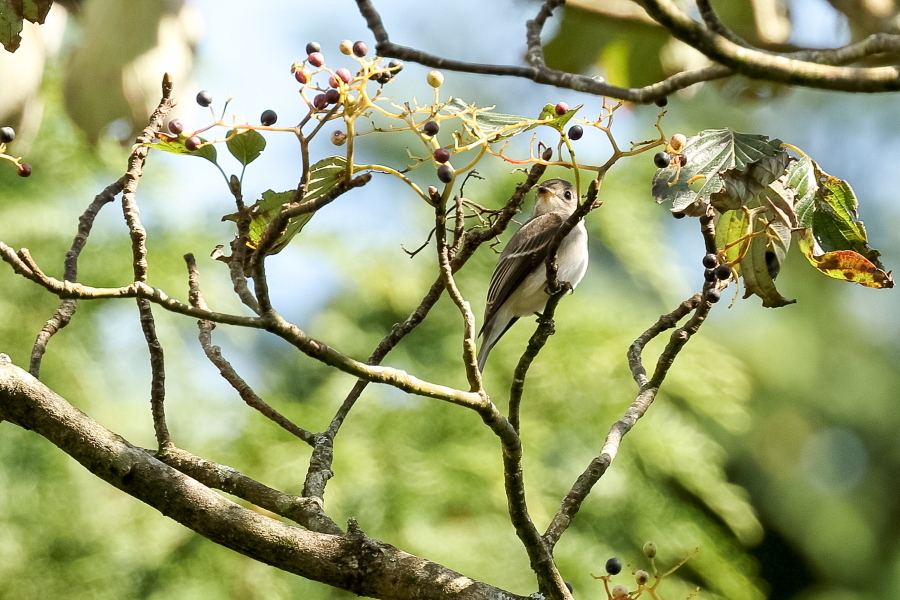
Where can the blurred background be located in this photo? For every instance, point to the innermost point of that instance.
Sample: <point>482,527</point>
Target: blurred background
<point>771,448</point>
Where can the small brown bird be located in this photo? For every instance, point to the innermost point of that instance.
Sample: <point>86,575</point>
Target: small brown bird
<point>518,285</point>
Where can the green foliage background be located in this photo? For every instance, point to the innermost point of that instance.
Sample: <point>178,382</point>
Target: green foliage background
<point>771,447</point>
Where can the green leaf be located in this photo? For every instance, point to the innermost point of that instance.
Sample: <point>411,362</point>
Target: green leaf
<point>482,123</point>
<point>36,10</point>
<point>558,121</point>
<point>324,175</point>
<point>245,145</point>
<point>10,25</point>
<point>832,237</point>
<point>175,145</point>
<point>757,240</point>
<point>724,167</point>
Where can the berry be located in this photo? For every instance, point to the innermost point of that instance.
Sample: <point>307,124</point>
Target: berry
<point>338,137</point>
<point>709,261</point>
<point>641,576</point>
<point>660,102</point>
<point>332,96</point>
<point>435,78</point>
<point>709,274</point>
<point>679,215</point>
<point>315,59</point>
<point>192,143</point>
<point>176,126</point>
<point>383,78</point>
<point>568,586</point>
<point>268,117</point>
<point>344,74</point>
<point>614,566</point>
<point>562,108</point>
<point>24,170</point>
<point>677,142</point>
<point>441,155</point>
<point>445,173</point>
<point>302,75</point>
<point>204,98</point>
<point>723,272</point>
<point>313,47</point>
<point>662,159</point>
<point>619,591</point>
<point>360,49</point>
<point>395,66</point>
<point>650,550</point>
<point>346,47</point>
<point>431,128</point>
<point>320,102</point>
<point>713,295</point>
<point>682,160</point>
<point>7,134</point>
<point>575,132</point>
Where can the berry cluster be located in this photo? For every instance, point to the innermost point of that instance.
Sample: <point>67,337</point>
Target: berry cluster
<point>641,576</point>
<point>713,272</point>
<point>7,135</point>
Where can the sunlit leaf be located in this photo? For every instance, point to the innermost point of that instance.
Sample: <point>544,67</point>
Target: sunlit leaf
<point>324,175</point>
<point>757,240</point>
<point>844,264</point>
<point>10,26</point>
<point>175,145</point>
<point>245,145</point>
<point>556,120</point>
<point>717,158</point>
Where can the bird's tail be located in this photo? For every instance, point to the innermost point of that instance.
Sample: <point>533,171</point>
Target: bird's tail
<point>490,335</point>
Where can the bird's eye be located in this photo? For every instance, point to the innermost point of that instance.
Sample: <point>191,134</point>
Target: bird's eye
<point>568,195</point>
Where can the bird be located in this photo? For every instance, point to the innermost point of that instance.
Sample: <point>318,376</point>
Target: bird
<point>519,284</point>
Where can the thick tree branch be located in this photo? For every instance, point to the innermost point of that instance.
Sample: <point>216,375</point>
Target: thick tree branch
<point>351,561</point>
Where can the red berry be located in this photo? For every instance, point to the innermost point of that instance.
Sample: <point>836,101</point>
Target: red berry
<point>192,143</point>
<point>360,49</point>
<point>344,74</point>
<point>302,75</point>
<point>315,59</point>
<point>682,159</point>
<point>441,155</point>
<point>333,81</point>
<point>24,170</point>
<point>562,108</point>
<point>176,126</point>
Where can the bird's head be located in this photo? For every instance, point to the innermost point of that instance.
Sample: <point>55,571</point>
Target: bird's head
<point>555,195</point>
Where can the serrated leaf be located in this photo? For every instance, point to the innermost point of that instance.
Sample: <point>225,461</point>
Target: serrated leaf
<point>557,121</point>
<point>245,145</point>
<point>175,145</point>
<point>483,123</point>
<point>324,175</point>
<point>715,156</point>
<point>832,237</point>
<point>757,240</point>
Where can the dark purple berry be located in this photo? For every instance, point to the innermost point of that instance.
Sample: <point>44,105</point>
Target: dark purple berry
<point>442,155</point>
<point>709,275</point>
<point>313,47</point>
<point>445,173</point>
<point>332,96</point>
<point>614,566</point>
<point>575,132</point>
<point>315,59</point>
<point>660,102</point>
<point>176,126</point>
<point>24,170</point>
<point>192,143</point>
<point>344,74</point>
<point>395,66</point>
<point>568,586</point>
<point>320,102</point>
<point>268,117</point>
<point>383,78</point>
<point>679,215</point>
<point>723,272</point>
<point>682,160</point>
<point>710,261</point>
<point>662,160</point>
<point>562,108</point>
<point>360,49</point>
<point>7,134</point>
<point>713,295</point>
<point>204,98</point>
<point>431,128</point>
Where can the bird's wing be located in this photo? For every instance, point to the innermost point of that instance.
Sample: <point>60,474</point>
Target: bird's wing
<point>525,251</point>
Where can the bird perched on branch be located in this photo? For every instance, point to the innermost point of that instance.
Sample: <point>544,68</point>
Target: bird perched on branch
<point>519,283</point>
